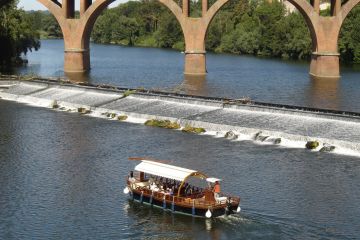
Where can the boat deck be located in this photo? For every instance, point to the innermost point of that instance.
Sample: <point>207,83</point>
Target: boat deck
<point>196,199</point>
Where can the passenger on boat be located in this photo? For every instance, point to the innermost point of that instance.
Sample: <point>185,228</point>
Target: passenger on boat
<point>187,189</point>
<point>171,191</point>
<point>131,177</point>
<point>216,189</point>
<point>154,187</point>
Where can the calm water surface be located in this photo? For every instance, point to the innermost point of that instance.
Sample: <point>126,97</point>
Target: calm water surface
<point>62,177</point>
<point>268,80</point>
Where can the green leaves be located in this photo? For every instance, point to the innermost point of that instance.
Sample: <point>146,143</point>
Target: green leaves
<point>124,28</point>
<point>169,32</point>
<point>266,29</point>
<point>17,34</point>
<point>145,23</point>
<point>349,40</point>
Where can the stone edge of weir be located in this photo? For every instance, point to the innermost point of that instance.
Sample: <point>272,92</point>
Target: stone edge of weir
<point>34,92</point>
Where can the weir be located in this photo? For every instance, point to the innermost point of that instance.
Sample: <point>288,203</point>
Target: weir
<point>254,121</point>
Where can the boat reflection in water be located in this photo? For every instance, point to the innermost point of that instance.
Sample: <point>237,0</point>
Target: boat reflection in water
<point>167,186</point>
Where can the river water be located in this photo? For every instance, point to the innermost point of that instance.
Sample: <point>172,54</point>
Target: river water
<point>261,79</point>
<point>62,174</point>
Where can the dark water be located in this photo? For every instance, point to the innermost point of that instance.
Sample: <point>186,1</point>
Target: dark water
<point>62,177</point>
<point>268,80</point>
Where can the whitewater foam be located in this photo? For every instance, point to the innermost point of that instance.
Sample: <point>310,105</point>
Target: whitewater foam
<point>263,126</point>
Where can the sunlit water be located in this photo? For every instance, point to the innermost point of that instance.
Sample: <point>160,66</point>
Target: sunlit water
<point>62,176</point>
<point>261,79</point>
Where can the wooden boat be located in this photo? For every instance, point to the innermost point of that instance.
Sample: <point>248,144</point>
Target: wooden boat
<point>166,186</point>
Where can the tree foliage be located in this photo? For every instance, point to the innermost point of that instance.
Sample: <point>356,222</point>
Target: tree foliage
<point>17,35</point>
<point>349,42</point>
<point>45,24</point>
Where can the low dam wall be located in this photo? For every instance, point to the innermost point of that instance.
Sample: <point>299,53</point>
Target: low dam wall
<point>264,123</point>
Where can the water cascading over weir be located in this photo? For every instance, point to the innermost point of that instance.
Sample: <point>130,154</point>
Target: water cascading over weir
<point>263,123</point>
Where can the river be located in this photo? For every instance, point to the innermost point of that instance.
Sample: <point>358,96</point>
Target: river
<point>261,79</point>
<point>62,176</point>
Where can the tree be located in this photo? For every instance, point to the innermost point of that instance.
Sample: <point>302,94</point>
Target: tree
<point>349,40</point>
<point>169,31</point>
<point>125,28</point>
<point>17,35</point>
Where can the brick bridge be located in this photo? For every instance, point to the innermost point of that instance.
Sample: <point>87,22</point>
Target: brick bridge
<point>324,32</point>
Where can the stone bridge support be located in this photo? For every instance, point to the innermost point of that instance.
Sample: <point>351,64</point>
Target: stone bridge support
<point>194,30</point>
<point>76,29</point>
<point>325,55</point>
<point>324,32</point>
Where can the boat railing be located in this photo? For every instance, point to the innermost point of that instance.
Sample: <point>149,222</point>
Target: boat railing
<point>194,200</point>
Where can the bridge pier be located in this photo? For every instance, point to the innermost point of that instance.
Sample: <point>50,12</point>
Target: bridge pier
<point>325,65</point>
<point>195,63</point>
<point>325,59</point>
<point>76,46</point>
<point>194,30</point>
<point>76,31</point>
<point>76,60</point>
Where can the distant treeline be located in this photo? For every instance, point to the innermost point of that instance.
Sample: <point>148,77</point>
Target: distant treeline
<point>254,27</point>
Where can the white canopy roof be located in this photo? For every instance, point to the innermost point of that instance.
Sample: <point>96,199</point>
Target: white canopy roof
<point>213,180</point>
<point>164,170</point>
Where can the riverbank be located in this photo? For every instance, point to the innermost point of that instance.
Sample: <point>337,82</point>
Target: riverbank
<point>236,120</point>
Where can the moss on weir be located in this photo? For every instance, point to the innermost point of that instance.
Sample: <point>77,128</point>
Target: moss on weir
<point>190,129</point>
<point>83,110</point>
<point>128,93</point>
<point>122,117</point>
<point>312,144</point>
<point>162,124</point>
<point>111,115</point>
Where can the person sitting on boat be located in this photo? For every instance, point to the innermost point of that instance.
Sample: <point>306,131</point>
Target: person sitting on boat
<point>171,191</point>
<point>154,187</point>
<point>131,177</point>
<point>216,189</point>
<point>188,190</point>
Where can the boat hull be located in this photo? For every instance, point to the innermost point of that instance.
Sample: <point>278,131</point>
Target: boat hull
<point>186,210</point>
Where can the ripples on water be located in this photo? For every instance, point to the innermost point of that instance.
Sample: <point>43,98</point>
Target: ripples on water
<point>261,79</point>
<point>62,176</point>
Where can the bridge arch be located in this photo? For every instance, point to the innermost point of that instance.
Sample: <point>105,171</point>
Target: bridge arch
<point>309,14</point>
<point>324,32</point>
<point>194,30</point>
<point>77,32</point>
